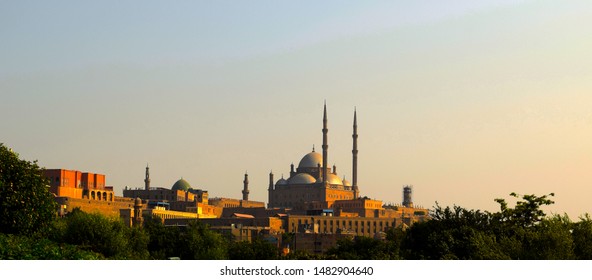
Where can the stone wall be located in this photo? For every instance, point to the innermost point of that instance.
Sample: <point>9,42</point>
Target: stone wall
<point>107,208</point>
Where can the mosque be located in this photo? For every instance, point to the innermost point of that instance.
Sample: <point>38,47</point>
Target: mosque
<point>314,185</point>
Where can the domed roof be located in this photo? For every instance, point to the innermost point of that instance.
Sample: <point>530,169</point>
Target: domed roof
<point>333,179</point>
<point>181,185</point>
<point>346,183</point>
<point>302,178</point>
<point>281,182</point>
<point>312,159</point>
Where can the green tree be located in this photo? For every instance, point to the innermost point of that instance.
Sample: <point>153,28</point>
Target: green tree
<point>582,238</point>
<point>257,249</point>
<point>163,242</point>
<point>550,239</point>
<point>526,213</point>
<point>109,237</point>
<point>452,233</point>
<point>520,232</point>
<point>200,243</point>
<point>22,247</point>
<point>26,205</point>
<point>360,248</point>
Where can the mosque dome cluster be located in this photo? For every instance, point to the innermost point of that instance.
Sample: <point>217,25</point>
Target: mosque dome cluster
<point>314,180</point>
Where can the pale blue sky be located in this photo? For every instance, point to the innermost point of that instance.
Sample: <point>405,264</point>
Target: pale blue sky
<point>466,100</point>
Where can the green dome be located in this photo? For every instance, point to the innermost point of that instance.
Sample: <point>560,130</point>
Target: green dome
<point>181,185</point>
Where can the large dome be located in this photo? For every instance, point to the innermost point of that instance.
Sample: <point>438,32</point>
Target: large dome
<point>181,185</point>
<point>310,160</point>
<point>301,178</point>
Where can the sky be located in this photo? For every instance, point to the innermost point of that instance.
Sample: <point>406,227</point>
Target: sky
<point>467,101</point>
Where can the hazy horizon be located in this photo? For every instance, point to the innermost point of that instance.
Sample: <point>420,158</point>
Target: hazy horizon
<point>466,100</point>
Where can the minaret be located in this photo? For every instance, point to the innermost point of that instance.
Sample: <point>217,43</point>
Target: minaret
<point>325,146</point>
<point>246,187</point>
<point>270,190</point>
<point>147,180</point>
<point>319,170</point>
<point>138,219</point>
<point>355,158</point>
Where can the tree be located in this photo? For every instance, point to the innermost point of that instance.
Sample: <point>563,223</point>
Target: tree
<point>257,249</point>
<point>26,205</point>
<point>200,243</point>
<point>582,237</point>
<point>452,233</point>
<point>163,242</point>
<point>22,247</point>
<point>100,234</point>
<point>526,213</point>
<point>360,248</point>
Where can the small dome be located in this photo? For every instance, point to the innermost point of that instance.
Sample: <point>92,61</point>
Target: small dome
<point>310,160</point>
<point>138,201</point>
<point>181,185</point>
<point>281,182</point>
<point>346,183</point>
<point>333,179</point>
<point>302,178</point>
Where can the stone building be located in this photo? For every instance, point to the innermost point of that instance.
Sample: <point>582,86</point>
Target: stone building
<point>76,184</point>
<point>84,190</point>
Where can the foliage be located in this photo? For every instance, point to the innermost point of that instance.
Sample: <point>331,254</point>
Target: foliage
<point>361,248</point>
<point>452,233</point>
<point>521,232</point>
<point>21,247</point>
<point>163,242</point>
<point>26,205</point>
<point>109,237</point>
<point>303,255</point>
<point>526,213</point>
<point>258,249</point>
<point>200,243</point>
<point>194,242</point>
<point>582,238</point>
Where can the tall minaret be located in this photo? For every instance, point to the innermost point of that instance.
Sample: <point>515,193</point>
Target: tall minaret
<point>325,146</point>
<point>147,180</point>
<point>246,187</point>
<point>270,190</point>
<point>355,158</point>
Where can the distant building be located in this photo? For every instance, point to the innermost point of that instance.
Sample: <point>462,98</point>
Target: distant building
<point>362,226</point>
<point>240,227</point>
<point>84,190</point>
<point>180,191</point>
<point>183,198</point>
<point>76,184</point>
